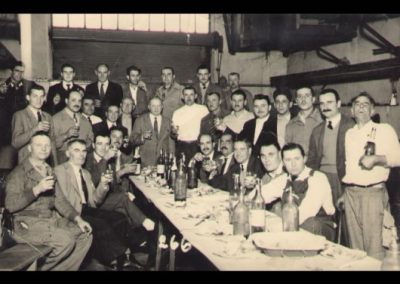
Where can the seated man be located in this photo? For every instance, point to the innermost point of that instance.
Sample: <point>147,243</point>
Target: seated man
<point>311,190</point>
<point>30,197</point>
<point>207,146</point>
<point>88,111</point>
<point>76,185</point>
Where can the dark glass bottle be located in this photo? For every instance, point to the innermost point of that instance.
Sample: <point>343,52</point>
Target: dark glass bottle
<point>192,177</point>
<point>181,183</point>
<point>167,165</point>
<point>160,165</point>
<point>241,217</point>
<point>290,214</point>
<point>370,147</point>
<point>257,210</point>
<point>138,161</point>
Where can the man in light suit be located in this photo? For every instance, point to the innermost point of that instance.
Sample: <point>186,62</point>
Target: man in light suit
<point>30,120</point>
<point>150,139</point>
<point>136,90</point>
<point>76,185</point>
<point>70,123</point>
<point>103,91</point>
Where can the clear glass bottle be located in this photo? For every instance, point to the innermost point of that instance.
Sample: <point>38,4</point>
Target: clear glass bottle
<point>172,175</point>
<point>290,214</point>
<point>181,184</point>
<point>391,262</point>
<point>138,161</point>
<point>257,210</point>
<point>241,217</point>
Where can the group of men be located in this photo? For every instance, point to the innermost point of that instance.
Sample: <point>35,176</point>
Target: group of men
<point>89,136</point>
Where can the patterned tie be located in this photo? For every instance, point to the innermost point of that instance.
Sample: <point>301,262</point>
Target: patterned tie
<point>84,186</point>
<point>102,93</point>
<point>156,126</point>
<point>39,116</point>
<point>330,125</point>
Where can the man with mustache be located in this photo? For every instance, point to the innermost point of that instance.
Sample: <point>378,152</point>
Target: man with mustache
<point>299,129</point>
<point>70,124</point>
<point>234,85</point>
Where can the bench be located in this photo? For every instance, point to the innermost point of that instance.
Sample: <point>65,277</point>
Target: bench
<point>22,257</point>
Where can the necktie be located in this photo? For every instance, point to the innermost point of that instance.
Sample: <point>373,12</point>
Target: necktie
<point>102,93</point>
<point>224,166</point>
<point>204,86</point>
<point>39,116</point>
<point>68,87</point>
<point>75,119</point>
<point>330,125</point>
<point>156,126</point>
<point>88,118</point>
<point>84,186</point>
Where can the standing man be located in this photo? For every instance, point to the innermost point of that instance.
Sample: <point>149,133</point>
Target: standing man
<point>234,85</point>
<point>365,196</point>
<point>208,123</point>
<point>31,199</point>
<point>205,86</point>
<point>151,133</point>
<point>136,90</point>
<point>299,129</point>
<point>170,92</point>
<point>282,104</point>
<point>30,120</point>
<point>58,93</point>
<point>186,122</point>
<point>69,123</point>
<point>103,91</point>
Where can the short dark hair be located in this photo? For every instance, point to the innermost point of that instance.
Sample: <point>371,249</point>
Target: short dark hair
<point>170,68</point>
<point>333,91</point>
<point>73,91</point>
<point>228,134</point>
<point>133,68</point>
<point>112,105</point>
<point>214,93</point>
<point>234,74</point>
<point>189,88</point>
<point>262,97</point>
<point>17,63</point>
<point>102,64</point>
<point>293,146</point>
<point>203,66</point>
<point>119,128</point>
<point>272,143</point>
<point>282,91</point>
<point>205,134</point>
<point>87,98</point>
<point>156,98</point>
<point>38,133</point>
<point>246,141</point>
<point>306,87</point>
<point>76,140</point>
<point>364,94</point>
<point>65,65</point>
<point>240,93</point>
<point>36,87</point>
<point>102,134</point>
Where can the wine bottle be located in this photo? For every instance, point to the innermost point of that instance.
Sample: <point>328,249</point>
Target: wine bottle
<point>160,165</point>
<point>181,183</point>
<point>241,217</point>
<point>257,210</point>
<point>172,175</point>
<point>138,161</point>
<point>290,213</point>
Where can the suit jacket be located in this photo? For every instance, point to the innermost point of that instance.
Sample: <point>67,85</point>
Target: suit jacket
<point>59,89</point>
<point>23,123</point>
<point>316,148</point>
<point>150,149</point>
<point>202,174</point>
<point>210,88</point>
<point>113,95</point>
<point>62,123</point>
<point>141,100</point>
<point>268,133</point>
<point>225,182</point>
<point>68,186</point>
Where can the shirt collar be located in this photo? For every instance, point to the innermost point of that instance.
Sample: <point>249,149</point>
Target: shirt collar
<point>304,174</point>
<point>70,113</point>
<point>211,155</point>
<point>34,111</point>
<point>367,126</point>
<point>277,172</point>
<point>110,124</point>
<point>133,87</point>
<point>64,84</point>
<point>207,84</point>
<point>75,168</point>
<point>105,84</point>
<point>284,117</point>
<point>97,157</point>
<point>335,120</point>
<point>240,113</point>
<point>245,164</point>
<point>264,119</point>
<point>152,116</point>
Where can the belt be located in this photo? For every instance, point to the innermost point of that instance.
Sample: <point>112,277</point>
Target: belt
<point>366,186</point>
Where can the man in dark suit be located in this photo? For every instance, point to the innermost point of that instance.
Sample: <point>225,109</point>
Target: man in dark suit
<point>201,160</point>
<point>59,92</point>
<point>136,90</point>
<point>205,86</point>
<point>261,129</point>
<point>245,162</point>
<point>104,91</point>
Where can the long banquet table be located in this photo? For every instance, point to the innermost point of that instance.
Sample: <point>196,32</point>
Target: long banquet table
<point>204,222</point>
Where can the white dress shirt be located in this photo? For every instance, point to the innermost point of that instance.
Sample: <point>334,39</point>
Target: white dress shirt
<point>78,181</point>
<point>35,111</point>
<point>188,119</point>
<point>282,121</point>
<point>335,120</point>
<point>259,126</point>
<point>65,85</point>
<point>105,86</point>
<point>228,162</point>
<point>134,90</point>
<point>236,120</point>
<point>93,118</point>
<point>110,124</point>
<point>387,144</point>
<point>318,195</point>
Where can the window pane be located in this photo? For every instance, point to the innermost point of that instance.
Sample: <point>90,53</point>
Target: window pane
<point>187,23</point>
<point>172,22</point>
<point>93,21</point>
<point>76,20</point>
<point>125,21</point>
<point>109,21</point>
<point>60,20</point>
<point>156,22</point>
<point>202,23</point>
<point>141,22</point>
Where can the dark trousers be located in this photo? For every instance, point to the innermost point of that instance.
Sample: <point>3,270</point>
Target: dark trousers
<point>188,148</point>
<point>109,231</point>
<point>393,186</point>
<point>319,225</point>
